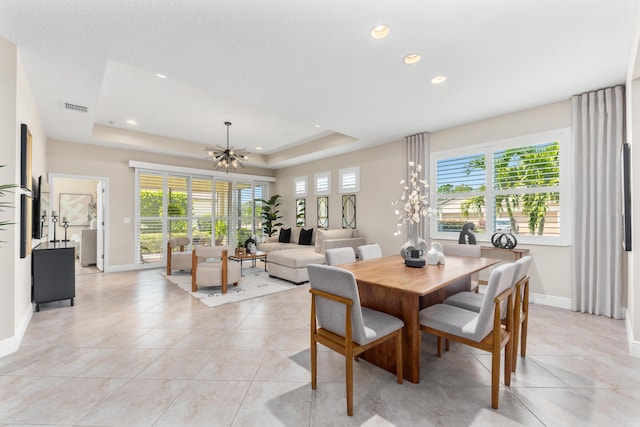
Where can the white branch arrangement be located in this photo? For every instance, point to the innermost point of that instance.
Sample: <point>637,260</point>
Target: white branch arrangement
<point>414,201</point>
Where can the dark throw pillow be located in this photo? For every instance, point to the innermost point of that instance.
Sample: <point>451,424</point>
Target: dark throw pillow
<point>305,237</point>
<point>285,235</point>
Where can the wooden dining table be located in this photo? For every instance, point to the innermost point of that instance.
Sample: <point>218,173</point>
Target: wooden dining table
<point>388,285</point>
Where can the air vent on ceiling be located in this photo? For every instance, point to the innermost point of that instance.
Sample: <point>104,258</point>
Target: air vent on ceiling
<point>76,107</point>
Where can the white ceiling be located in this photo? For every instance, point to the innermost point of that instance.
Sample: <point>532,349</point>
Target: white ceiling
<point>276,69</point>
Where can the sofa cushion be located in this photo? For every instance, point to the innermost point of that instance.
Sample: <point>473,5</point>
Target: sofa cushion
<point>285,235</point>
<point>336,233</point>
<point>306,237</point>
<point>295,235</point>
<point>295,258</point>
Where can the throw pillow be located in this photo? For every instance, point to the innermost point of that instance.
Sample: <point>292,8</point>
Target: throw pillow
<point>285,235</point>
<point>305,237</point>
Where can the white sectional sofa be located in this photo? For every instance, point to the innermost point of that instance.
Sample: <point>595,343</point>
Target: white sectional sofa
<point>289,260</point>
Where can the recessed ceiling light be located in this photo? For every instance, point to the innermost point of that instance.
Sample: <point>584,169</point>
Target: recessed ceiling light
<point>162,76</point>
<point>380,31</point>
<point>258,148</point>
<point>131,122</point>
<point>317,126</point>
<point>438,79</point>
<point>412,58</point>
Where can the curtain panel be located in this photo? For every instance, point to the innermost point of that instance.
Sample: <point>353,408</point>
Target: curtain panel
<point>598,132</point>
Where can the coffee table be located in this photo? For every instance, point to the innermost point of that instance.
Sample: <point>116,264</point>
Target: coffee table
<point>253,256</point>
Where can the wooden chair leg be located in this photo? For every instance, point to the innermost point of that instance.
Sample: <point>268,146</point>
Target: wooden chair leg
<point>523,335</point>
<point>508,358</point>
<point>349,380</point>
<point>314,363</point>
<point>399,356</point>
<point>446,345</point>
<point>439,346</point>
<point>495,376</point>
<point>514,339</point>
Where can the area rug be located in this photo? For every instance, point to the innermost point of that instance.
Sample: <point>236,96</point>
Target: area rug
<point>254,283</point>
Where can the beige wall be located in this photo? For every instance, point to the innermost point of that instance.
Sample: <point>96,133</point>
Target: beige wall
<point>16,106</point>
<point>551,269</point>
<point>112,164</point>
<point>381,170</point>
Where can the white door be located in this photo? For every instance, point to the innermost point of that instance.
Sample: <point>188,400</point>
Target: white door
<point>100,226</point>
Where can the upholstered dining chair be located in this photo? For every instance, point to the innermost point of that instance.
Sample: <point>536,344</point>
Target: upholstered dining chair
<point>214,273</point>
<point>482,329</point>
<point>464,250</point>
<point>338,256</point>
<point>520,285</point>
<point>339,322</point>
<point>180,259</point>
<point>369,251</point>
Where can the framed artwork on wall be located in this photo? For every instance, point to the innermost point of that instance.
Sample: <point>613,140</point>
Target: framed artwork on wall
<point>349,211</point>
<point>76,209</point>
<point>323,212</point>
<point>25,225</point>
<point>25,157</point>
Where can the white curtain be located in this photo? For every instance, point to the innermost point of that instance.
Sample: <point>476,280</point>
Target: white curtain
<point>598,126</point>
<point>416,150</point>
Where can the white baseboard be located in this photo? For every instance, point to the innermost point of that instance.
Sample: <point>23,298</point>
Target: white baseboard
<point>11,345</point>
<point>130,267</point>
<point>551,301</point>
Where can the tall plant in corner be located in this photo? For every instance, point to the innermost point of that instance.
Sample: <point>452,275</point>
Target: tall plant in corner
<point>4,205</point>
<point>271,215</point>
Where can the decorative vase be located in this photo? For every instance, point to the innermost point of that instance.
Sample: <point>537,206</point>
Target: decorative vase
<point>414,241</point>
<point>435,255</point>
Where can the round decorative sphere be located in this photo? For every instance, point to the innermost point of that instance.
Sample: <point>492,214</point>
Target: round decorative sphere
<point>504,240</point>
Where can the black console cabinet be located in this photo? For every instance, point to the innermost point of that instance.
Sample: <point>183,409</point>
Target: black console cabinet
<point>53,273</point>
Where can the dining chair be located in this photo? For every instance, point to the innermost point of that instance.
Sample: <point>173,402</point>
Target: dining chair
<point>180,259</point>
<point>214,273</point>
<point>520,285</point>
<point>464,250</point>
<point>369,251</point>
<point>481,329</point>
<point>339,322</point>
<point>338,256</point>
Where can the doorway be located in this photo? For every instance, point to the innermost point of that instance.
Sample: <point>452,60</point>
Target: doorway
<point>80,203</point>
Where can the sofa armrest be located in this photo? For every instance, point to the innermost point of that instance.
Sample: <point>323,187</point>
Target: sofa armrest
<point>353,242</point>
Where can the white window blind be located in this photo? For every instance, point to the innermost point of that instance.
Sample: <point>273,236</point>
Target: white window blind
<point>518,185</point>
<point>300,186</point>
<point>350,180</point>
<point>322,183</point>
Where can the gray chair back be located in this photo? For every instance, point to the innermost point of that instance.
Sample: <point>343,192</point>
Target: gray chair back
<point>501,279</point>
<point>331,315</point>
<point>522,269</point>
<point>370,251</point>
<point>338,256</point>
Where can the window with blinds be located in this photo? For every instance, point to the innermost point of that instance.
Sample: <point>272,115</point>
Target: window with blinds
<point>349,180</point>
<point>322,183</point>
<point>513,186</point>
<point>300,186</point>
<point>205,209</point>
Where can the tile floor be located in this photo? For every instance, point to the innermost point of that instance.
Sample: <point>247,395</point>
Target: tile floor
<point>137,351</point>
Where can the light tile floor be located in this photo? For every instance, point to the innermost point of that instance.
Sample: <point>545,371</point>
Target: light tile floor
<point>136,350</point>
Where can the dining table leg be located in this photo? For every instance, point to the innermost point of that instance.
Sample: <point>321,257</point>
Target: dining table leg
<point>404,306</point>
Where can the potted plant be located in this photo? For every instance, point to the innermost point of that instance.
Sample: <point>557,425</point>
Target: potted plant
<point>271,215</point>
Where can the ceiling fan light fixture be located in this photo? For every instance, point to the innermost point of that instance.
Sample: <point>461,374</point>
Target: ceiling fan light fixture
<point>226,158</point>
